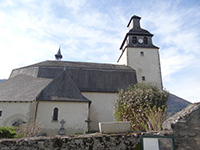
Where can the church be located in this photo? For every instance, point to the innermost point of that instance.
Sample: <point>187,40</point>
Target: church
<point>76,96</point>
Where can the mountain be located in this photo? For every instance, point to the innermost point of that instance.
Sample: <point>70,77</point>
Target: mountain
<point>175,104</point>
<point>1,80</point>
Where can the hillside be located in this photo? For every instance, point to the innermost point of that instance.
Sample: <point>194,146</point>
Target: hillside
<point>175,104</point>
<point>1,80</point>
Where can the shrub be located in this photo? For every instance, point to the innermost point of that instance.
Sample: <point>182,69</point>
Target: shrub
<point>150,119</point>
<point>8,132</point>
<point>29,130</point>
<point>140,103</point>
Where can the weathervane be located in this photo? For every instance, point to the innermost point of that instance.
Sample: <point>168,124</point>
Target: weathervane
<point>58,56</point>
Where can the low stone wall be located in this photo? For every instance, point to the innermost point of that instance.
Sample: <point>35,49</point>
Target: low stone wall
<point>82,142</point>
<point>185,127</point>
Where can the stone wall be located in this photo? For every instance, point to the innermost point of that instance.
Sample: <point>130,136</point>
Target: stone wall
<point>82,142</point>
<point>185,127</point>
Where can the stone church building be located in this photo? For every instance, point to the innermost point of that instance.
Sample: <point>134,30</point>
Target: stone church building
<point>78,94</point>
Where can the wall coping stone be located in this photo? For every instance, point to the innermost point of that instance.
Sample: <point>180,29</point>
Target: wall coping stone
<point>115,127</point>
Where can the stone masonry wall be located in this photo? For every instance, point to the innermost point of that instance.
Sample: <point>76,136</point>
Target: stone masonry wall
<point>185,127</point>
<point>83,142</point>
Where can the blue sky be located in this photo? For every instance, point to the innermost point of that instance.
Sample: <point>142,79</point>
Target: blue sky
<point>31,31</point>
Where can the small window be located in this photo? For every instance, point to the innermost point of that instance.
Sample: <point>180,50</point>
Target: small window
<point>143,78</point>
<point>0,113</point>
<point>55,114</point>
<point>141,53</point>
<point>134,40</point>
<point>145,40</point>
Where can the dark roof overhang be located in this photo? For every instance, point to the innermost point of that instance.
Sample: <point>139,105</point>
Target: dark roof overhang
<point>137,33</point>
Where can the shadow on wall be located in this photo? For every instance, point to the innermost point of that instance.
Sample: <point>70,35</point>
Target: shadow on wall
<point>15,120</point>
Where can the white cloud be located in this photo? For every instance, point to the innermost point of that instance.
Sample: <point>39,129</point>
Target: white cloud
<point>186,87</point>
<point>173,62</point>
<point>32,31</point>
<point>6,3</point>
<point>75,5</point>
<point>173,25</point>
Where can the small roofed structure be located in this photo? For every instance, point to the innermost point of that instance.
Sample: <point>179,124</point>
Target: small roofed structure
<point>58,56</point>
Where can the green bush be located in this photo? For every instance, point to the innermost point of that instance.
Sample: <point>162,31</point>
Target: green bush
<point>8,132</point>
<point>149,119</point>
<point>143,104</point>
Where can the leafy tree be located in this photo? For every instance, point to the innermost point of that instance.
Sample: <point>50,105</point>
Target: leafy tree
<point>143,104</point>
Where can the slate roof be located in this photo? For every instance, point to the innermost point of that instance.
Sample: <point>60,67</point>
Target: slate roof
<point>62,88</point>
<point>138,31</point>
<point>95,77</point>
<point>22,88</point>
<point>64,81</point>
<point>88,65</point>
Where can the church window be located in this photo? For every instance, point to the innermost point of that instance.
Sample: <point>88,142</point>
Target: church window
<point>134,40</point>
<point>55,114</point>
<point>143,78</point>
<point>141,53</point>
<point>145,40</point>
<point>0,113</point>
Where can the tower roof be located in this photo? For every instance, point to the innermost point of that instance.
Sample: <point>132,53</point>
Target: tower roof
<point>134,27</point>
<point>134,18</point>
<point>136,30</point>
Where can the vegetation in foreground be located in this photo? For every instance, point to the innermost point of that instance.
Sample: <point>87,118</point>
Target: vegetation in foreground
<point>8,132</point>
<point>144,105</point>
<point>26,130</point>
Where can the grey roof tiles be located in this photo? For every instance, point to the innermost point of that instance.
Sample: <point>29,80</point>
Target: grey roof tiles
<point>22,88</point>
<point>64,81</point>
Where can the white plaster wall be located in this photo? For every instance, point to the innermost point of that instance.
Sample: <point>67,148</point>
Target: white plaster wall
<point>73,113</point>
<point>101,108</point>
<point>147,65</point>
<point>123,58</point>
<point>13,111</point>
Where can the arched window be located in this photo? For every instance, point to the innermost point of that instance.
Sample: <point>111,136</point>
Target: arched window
<point>134,40</point>
<point>145,40</point>
<point>55,114</point>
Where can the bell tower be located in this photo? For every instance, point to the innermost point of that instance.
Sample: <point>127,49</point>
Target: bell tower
<point>138,52</point>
